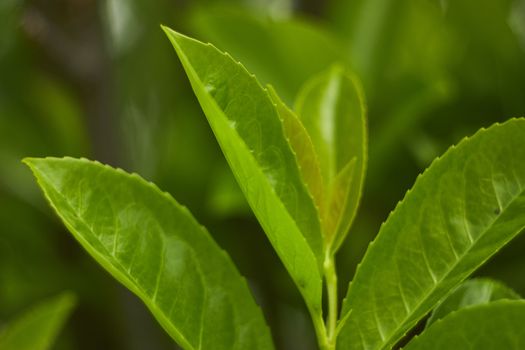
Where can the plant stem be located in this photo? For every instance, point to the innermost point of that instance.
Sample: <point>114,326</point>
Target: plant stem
<point>330,276</point>
<point>320,331</point>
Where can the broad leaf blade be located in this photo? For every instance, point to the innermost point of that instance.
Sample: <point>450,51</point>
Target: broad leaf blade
<point>250,133</point>
<point>462,210</point>
<point>38,328</point>
<point>493,326</point>
<point>331,107</point>
<point>469,293</point>
<point>153,246</point>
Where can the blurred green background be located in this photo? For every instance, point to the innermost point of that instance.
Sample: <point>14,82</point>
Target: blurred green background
<point>99,79</point>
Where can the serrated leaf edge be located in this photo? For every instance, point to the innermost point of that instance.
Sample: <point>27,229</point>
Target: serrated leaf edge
<point>437,160</point>
<point>121,277</point>
<point>169,32</point>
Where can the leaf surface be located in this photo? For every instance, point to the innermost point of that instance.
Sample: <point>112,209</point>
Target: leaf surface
<point>38,328</point>
<point>251,134</point>
<point>154,246</point>
<point>274,49</point>
<point>493,326</point>
<point>461,211</point>
<point>469,293</point>
<point>303,148</point>
<point>331,107</point>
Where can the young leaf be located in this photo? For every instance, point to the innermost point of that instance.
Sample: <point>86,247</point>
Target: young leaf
<point>493,326</point>
<point>331,107</point>
<point>462,210</point>
<point>469,293</point>
<point>302,145</point>
<point>154,246</point>
<point>250,133</point>
<point>38,328</point>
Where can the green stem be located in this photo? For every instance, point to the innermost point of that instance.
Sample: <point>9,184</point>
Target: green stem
<point>330,276</point>
<point>320,331</point>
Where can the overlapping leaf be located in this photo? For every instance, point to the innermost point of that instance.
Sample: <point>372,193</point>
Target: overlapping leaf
<point>493,326</point>
<point>462,210</point>
<point>251,135</point>
<point>153,245</point>
<point>38,328</point>
<point>303,148</point>
<point>331,107</point>
<point>472,292</point>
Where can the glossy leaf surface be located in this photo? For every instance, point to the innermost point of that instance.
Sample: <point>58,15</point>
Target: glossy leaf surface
<point>472,292</point>
<point>38,328</point>
<point>462,210</point>
<point>250,132</point>
<point>493,326</point>
<point>154,246</point>
<point>331,107</point>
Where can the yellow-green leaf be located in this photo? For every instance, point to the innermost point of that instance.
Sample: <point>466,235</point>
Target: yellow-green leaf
<point>303,148</point>
<point>250,132</point>
<point>331,107</point>
<point>154,246</point>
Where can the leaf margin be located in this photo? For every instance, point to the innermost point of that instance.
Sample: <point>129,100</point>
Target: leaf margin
<point>312,296</point>
<point>103,261</point>
<point>347,311</point>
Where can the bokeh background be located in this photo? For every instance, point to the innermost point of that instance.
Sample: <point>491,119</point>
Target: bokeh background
<point>99,79</point>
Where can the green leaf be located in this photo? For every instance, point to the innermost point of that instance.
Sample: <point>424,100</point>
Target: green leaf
<point>274,49</point>
<point>154,246</point>
<point>251,135</point>
<point>38,328</point>
<point>331,107</point>
<point>303,148</point>
<point>469,293</point>
<point>461,211</point>
<point>493,326</point>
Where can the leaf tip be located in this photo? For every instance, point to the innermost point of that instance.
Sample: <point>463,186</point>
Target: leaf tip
<point>168,30</point>
<point>29,161</point>
<point>174,37</point>
<point>32,163</point>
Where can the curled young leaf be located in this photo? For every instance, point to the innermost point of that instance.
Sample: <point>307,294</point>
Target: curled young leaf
<point>331,107</point>
<point>303,148</point>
